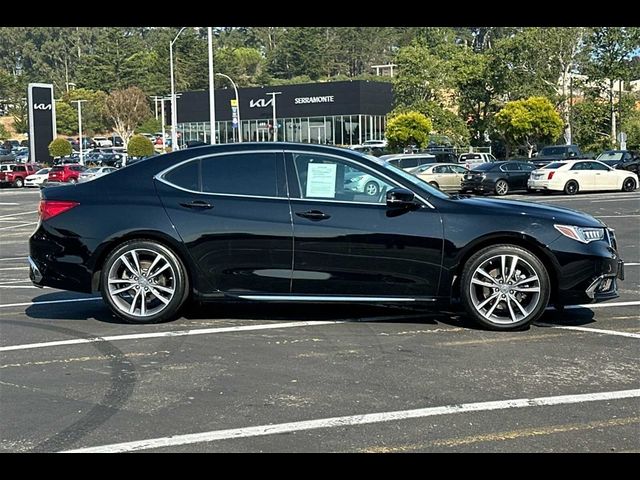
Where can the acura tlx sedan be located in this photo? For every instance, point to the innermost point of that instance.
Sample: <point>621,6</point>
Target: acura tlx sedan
<point>276,222</point>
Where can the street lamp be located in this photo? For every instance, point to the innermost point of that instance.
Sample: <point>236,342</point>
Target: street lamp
<point>79,102</point>
<point>174,113</point>
<point>162,100</point>
<point>273,109</point>
<point>235,89</point>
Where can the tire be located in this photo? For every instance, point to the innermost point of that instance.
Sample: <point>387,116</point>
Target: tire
<point>434,184</point>
<point>501,188</point>
<point>493,303</point>
<point>571,188</point>
<point>18,183</point>
<point>371,188</point>
<point>629,184</point>
<point>120,270</point>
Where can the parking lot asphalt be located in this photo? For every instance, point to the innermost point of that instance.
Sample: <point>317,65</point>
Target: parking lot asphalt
<point>290,378</point>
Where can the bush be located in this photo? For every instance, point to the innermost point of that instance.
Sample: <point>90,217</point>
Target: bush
<point>139,146</point>
<point>60,148</point>
<point>410,128</point>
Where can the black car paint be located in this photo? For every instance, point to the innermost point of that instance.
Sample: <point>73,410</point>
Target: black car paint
<point>485,180</point>
<point>261,246</point>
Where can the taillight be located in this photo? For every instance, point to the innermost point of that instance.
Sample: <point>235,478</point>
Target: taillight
<point>51,208</point>
<point>550,175</point>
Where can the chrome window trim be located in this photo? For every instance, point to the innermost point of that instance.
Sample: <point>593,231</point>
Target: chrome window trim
<point>160,177</point>
<point>392,181</point>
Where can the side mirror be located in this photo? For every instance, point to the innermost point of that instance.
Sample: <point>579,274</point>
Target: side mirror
<point>400,198</point>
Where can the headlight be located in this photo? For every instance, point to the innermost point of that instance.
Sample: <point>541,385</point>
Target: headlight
<point>581,234</point>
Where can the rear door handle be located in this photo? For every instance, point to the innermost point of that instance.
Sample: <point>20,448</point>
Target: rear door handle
<point>313,215</point>
<point>197,204</point>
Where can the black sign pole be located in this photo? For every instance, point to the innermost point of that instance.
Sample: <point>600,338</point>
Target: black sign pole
<point>42,121</point>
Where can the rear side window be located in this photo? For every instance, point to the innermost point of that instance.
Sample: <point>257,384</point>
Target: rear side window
<point>252,174</point>
<point>57,169</point>
<point>185,176</point>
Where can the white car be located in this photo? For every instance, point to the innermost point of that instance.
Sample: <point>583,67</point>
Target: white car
<point>576,176</point>
<point>375,143</point>
<point>95,172</point>
<point>38,178</point>
<point>102,142</point>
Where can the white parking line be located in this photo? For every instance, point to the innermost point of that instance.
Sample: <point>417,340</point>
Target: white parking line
<point>591,330</point>
<point>13,268</point>
<point>631,264</point>
<point>18,226</point>
<point>350,420</point>
<point>18,286</point>
<point>16,214</point>
<point>9,203</point>
<point>13,258</point>
<point>617,216</point>
<point>601,305</point>
<point>174,333</point>
<point>616,200</point>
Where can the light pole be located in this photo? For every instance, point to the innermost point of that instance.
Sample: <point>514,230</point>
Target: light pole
<point>212,96</point>
<point>162,100</point>
<point>79,102</point>
<point>273,108</point>
<point>235,89</point>
<point>174,113</point>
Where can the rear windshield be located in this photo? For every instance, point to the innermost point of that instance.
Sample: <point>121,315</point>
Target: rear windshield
<point>553,151</point>
<point>470,156</point>
<point>483,167</point>
<point>553,165</point>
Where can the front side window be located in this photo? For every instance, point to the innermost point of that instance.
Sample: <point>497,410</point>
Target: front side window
<point>327,178</point>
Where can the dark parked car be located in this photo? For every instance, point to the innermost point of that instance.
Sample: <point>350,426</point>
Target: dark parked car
<point>616,158</point>
<point>498,177</point>
<point>631,166</point>
<point>556,153</point>
<point>274,222</point>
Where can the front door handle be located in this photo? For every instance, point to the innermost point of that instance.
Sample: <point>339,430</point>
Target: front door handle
<point>313,215</point>
<point>198,204</point>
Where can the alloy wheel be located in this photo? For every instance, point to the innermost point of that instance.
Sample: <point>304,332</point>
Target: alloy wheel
<point>141,282</point>
<point>505,289</point>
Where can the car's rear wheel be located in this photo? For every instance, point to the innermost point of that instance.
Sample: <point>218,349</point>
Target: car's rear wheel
<point>629,185</point>
<point>571,188</point>
<point>18,183</point>
<point>73,180</point>
<point>143,281</point>
<point>434,184</point>
<point>502,187</point>
<point>504,287</point>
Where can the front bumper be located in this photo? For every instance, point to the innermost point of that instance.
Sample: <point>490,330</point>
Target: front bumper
<point>588,273</point>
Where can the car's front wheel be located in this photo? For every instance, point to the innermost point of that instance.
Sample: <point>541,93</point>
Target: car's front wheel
<point>371,188</point>
<point>629,185</point>
<point>502,187</point>
<point>504,287</point>
<point>143,281</point>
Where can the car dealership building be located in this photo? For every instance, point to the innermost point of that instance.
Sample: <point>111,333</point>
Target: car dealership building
<point>335,113</point>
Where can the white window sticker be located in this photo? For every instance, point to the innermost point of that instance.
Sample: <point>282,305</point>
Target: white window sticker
<point>321,180</point>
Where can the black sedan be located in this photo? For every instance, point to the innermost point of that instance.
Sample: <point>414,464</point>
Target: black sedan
<point>498,177</point>
<point>274,222</point>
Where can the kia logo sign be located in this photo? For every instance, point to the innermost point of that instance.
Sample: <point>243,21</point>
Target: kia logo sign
<point>260,103</point>
<point>42,106</point>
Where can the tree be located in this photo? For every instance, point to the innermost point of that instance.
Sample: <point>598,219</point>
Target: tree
<point>528,122</point>
<point>60,148</point>
<point>421,76</point>
<point>610,60</point>
<point>127,109</point>
<point>410,128</point>
<point>66,118</point>
<point>139,146</point>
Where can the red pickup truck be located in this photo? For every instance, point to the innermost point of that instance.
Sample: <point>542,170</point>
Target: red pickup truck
<point>16,174</point>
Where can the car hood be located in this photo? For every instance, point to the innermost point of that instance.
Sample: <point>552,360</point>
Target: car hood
<point>561,215</point>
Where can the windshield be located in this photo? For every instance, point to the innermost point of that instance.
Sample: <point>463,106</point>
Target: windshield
<point>610,156</point>
<point>407,176</point>
<point>42,171</point>
<point>92,170</point>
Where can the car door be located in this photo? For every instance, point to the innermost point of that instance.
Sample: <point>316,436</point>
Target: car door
<point>442,176</point>
<point>350,244</point>
<point>605,178</point>
<point>232,213</point>
<point>582,173</point>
